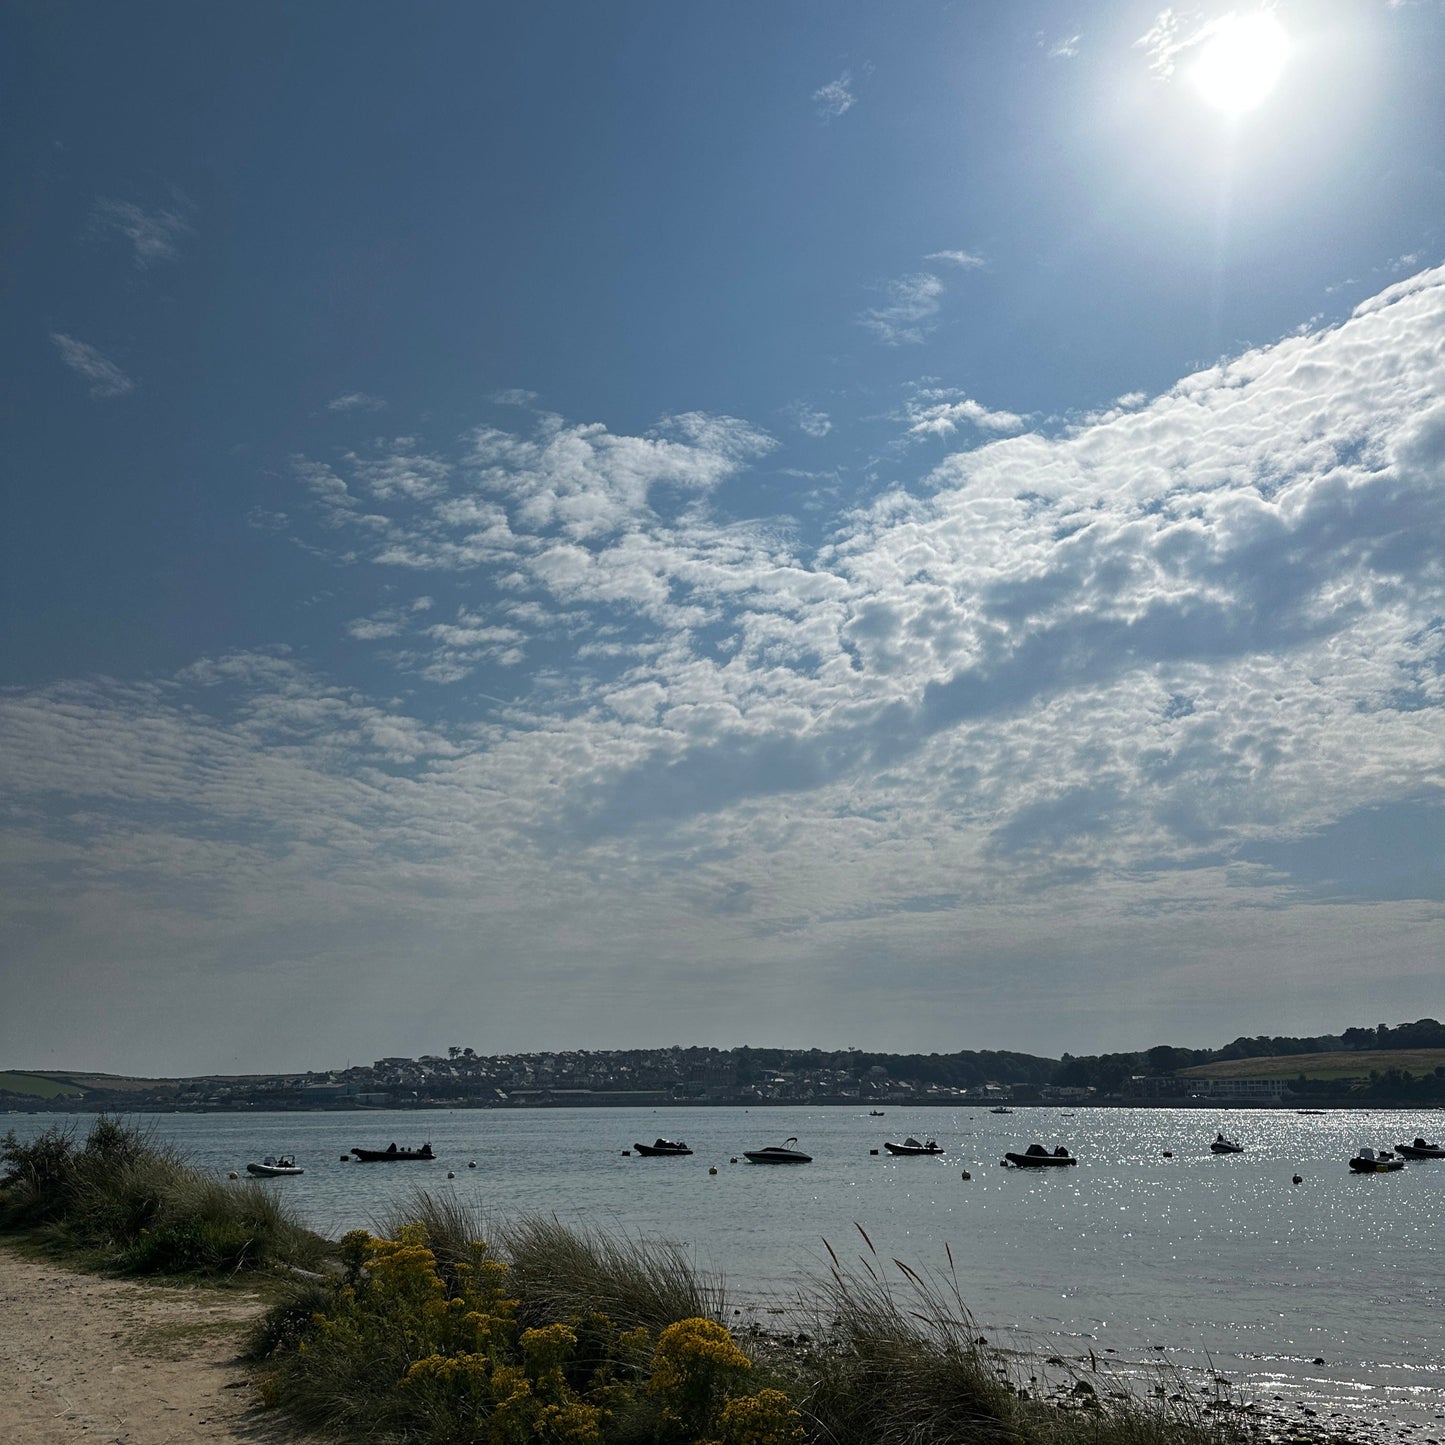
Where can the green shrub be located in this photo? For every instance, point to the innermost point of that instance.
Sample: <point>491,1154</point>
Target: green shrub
<point>142,1206</point>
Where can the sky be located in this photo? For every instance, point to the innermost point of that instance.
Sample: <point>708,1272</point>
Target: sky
<point>909,527</point>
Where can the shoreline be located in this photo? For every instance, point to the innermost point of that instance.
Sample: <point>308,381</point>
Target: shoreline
<point>90,1356</point>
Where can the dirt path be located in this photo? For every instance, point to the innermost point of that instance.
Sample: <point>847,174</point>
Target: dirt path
<point>112,1362</point>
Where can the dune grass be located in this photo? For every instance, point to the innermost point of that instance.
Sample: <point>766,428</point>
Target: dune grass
<point>121,1199</point>
<point>554,1333</point>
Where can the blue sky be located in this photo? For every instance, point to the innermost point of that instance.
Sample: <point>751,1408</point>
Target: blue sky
<point>605,525</point>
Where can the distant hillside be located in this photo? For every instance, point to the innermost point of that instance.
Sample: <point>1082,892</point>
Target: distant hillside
<point>56,1083</point>
<point>1337,1064</point>
<point>37,1086</point>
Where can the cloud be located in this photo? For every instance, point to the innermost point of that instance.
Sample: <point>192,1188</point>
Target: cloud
<point>1170,36</point>
<point>941,413</point>
<point>154,235</point>
<point>914,301</point>
<point>105,377</point>
<point>907,316</point>
<point>1065,48</point>
<point>809,420</point>
<point>836,98</point>
<point>355,401</point>
<point>1183,663</point>
<point>965,259</point>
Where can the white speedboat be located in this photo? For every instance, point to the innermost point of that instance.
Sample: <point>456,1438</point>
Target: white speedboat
<point>778,1154</point>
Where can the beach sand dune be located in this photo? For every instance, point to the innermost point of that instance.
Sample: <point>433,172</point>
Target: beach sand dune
<point>112,1362</point>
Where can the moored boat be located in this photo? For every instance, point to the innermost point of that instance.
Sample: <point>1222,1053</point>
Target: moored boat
<point>778,1154</point>
<point>1420,1149</point>
<point>391,1152</point>
<point>1037,1157</point>
<point>1221,1145</point>
<point>914,1146</point>
<point>663,1147</point>
<point>1367,1161</point>
<point>275,1166</point>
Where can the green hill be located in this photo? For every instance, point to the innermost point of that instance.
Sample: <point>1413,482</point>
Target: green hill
<point>1338,1064</point>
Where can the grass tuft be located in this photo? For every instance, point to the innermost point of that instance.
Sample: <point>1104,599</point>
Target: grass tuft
<point>560,1272</point>
<point>140,1208</point>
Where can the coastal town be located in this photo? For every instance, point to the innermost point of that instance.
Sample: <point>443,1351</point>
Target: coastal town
<point>1362,1066</point>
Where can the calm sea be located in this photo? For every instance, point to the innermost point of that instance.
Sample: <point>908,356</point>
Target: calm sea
<point>1222,1260</point>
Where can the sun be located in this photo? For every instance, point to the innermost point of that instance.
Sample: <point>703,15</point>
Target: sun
<point>1240,61</point>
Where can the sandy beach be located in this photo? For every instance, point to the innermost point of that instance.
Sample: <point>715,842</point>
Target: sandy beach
<point>84,1358</point>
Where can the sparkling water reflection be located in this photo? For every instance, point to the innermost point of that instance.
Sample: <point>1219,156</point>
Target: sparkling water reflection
<point>1220,1259</point>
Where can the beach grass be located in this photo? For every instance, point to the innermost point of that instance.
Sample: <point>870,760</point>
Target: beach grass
<point>121,1199</point>
<point>555,1333</point>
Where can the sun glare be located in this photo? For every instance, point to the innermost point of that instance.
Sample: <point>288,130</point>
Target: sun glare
<point>1240,62</point>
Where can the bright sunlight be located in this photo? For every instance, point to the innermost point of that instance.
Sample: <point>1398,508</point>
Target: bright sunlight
<point>1241,61</point>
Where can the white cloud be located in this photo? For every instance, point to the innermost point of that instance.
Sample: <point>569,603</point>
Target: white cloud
<point>1170,36</point>
<point>907,316</point>
<point>966,259</point>
<point>1151,669</point>
<point>1065,48</point>
<point>940,415</point>
<point>154,235</point>
<point>105,377</point>
<point>914,301</point>
<point>809,420</point>
<point>355,401</point>
<point>836,98</point>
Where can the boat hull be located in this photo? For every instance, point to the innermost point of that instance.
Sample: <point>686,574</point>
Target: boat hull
<point>1218,1148</point>
<point>912,1149</point>
<point>273,1171</point>
<point>380,1156</point>
<point>1376,1166</point>
<point>1414,1151</point>
<point>776,1156</point>
<point>653,1152</point>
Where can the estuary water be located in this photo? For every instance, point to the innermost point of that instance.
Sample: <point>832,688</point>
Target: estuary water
<point>1329,1294</point>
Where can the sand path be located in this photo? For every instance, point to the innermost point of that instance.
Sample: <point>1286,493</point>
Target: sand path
<point>113,1362</point>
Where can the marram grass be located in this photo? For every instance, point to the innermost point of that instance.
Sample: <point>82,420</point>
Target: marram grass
<point>557,1334</point>
<point>137,1206</point>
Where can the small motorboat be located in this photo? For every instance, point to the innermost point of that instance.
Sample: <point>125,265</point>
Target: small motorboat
<point>391,1152</point>
<point>875,1113</point>
<point>1420,1150</point>
<point>999,1109</point>
<point>778,1154</point>
<point>1037,1157</point>
<point>1369,1162</point>
<point>914,1146</point>
<point>663,1147</point>
<point>275,1166</point>
<point>1220,1145</point>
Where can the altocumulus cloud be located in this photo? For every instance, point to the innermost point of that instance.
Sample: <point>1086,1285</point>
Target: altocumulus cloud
<point>1128,669</point>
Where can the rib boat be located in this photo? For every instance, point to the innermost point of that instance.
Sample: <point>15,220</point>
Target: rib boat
<point>1420,1150</point>
<point>377,1156</point>
<point>1037,1157</point>
<point>663,1147</point>
<point>913,1146</point>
